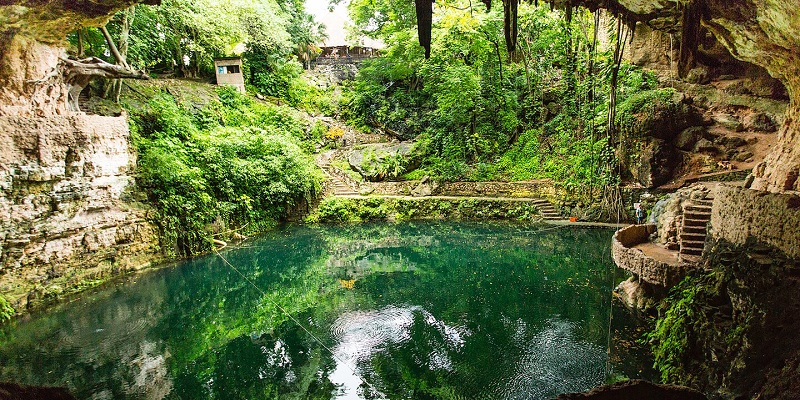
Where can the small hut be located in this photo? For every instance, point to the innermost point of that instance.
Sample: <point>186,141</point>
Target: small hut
<point>229,72</point>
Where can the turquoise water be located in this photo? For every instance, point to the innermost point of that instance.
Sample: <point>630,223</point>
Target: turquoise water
<point>405,311</point>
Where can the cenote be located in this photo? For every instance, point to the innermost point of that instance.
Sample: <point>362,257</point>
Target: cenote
<point>405,311</point>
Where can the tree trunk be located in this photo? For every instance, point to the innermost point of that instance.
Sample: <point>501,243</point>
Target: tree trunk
<point>81,50</point>
<point>690,37</point>
<point>78,73</point>
<point>124,35</point>
<point>113,48</point>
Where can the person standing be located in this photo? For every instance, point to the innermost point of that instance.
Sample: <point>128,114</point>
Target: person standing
<point>640,213</point>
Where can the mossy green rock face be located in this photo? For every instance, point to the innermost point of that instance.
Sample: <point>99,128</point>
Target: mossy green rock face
<point>649,122</point>
<point>732,326</point>
<point>50,21</point>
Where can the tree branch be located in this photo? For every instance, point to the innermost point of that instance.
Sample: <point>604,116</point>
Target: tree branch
<point>78,73</point>
<point>111,46</point>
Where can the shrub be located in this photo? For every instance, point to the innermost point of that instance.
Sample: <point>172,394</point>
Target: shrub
<point>6,311</point>
<point>206,181</point>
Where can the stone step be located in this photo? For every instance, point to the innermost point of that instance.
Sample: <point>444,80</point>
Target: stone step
<point>694,229</point>
<point>689,258</point>
<point>697,236</point>
<point>692,244</point>
<point>698,214</point>
<point>698,208</point>
<point>694,222</point>
<point>692,251</point>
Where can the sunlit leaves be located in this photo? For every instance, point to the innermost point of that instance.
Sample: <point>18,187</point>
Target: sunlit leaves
<point>202,180</point>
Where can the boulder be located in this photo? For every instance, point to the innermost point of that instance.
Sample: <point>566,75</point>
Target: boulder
<point>655,163</point>
<point>705,145</point>
<point>731,142</point>
<point>426,187</point>
<point>649,124</point>
<point>689,137</point>
<point>383,161</point>
<point>761,122</point>
<point>743,156</point>
<point>729,121</point>
<point>698,75</point>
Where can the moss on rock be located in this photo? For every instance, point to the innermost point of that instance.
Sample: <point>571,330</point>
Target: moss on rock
<point>728,326</point>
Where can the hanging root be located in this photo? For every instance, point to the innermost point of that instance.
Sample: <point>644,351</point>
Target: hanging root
<point>612,208</point>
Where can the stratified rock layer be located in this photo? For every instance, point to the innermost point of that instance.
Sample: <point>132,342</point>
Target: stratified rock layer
<point>63,221</point>
<point>741,215</point>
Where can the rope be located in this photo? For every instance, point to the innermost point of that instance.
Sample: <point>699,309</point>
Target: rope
<point>313,336</point>
<point>619,204</point>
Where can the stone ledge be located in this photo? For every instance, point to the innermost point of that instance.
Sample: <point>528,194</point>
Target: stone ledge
<point>638,263</point>
<point>544,189</point>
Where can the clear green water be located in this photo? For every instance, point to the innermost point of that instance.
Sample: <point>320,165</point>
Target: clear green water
<point>417,310</point>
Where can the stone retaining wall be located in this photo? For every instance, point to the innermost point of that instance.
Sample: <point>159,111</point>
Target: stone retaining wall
<point>64,222</point>
<point>634,260</point>
<point>374,208</point>
<point>544,189</point>
<point>740,214</point>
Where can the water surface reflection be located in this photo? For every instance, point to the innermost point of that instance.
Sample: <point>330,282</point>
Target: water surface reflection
<point>422,311</point>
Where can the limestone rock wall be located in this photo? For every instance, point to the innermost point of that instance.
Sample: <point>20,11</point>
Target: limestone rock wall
<point>762,32</point>
<point>741,214</point>
<point>65,215</point>
<point>30,79</point>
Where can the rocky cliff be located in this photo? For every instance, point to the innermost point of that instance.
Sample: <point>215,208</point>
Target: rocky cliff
<point>735,327</point>
<point>32,38</point>
<point>66,217</point>
<point>765,33</point>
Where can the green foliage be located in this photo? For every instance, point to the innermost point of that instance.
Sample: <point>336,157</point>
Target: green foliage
<point>336,209</point>
<point>182,37</point>
<point>482,113</point>
<point>640,108</point>
<point>235,164</point>
<point>670,340</point>
<point>6,311</point>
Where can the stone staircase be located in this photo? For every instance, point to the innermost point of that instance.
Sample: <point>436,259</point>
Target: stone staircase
<point>546,209</point>
<point>340,183</point>
<point>693,232</point>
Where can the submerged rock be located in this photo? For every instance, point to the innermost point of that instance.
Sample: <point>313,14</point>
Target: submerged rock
<point>636,389</point>
<point>13,391</point>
